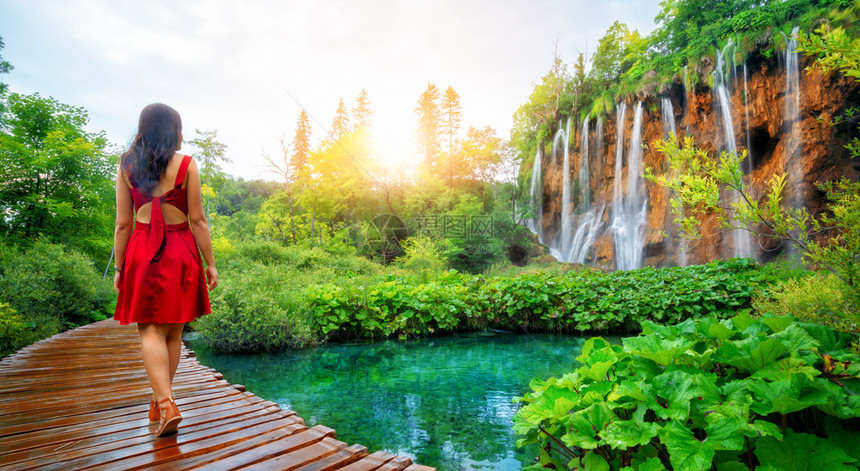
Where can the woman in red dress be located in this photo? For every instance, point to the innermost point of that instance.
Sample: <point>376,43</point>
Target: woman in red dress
<point>159,275</point>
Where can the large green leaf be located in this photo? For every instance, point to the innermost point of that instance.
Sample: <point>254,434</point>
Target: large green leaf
<point>671,394</point>
<point>802,452</point>
<point>751,354</point>
<point>785,396</point>
<point>594,462</point>
<point>652,347</point>
<point>554,403</point>
<point>839,402</point>
<point>583,426</point>
<point>686,453</point>
<point>625,434</point>
<point>651,464</point>
<point>777,323</point>
<point>783,369</point>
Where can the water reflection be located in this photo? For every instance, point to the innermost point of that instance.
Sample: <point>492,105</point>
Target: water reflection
<point>445,402</point>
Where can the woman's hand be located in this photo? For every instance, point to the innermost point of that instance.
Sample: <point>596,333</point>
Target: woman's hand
<point>116,277</point>
<point>212,276</point>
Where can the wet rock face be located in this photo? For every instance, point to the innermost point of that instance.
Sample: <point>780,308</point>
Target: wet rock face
<point>806,147</point>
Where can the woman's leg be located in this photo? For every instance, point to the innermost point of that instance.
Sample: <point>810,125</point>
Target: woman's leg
<point>174,347</point>
<point>156,357</point>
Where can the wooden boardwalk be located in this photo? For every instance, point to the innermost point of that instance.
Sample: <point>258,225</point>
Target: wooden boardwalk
<point>78,400</point>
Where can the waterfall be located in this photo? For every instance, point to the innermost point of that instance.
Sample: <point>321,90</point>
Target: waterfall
<point>559,135</point>
<point>619,153</point>
<point>721,83</point>
<point>584,177</point>
<point>748,161</point>
<point>598,147</point>
<point>668,117</point>
<point>792,120</point>
<point>742,245</point>
<point>630,213</point>
<point>589,221</point>
<point>536,193</point>
<point>566,219</point>
<point>687,104</point>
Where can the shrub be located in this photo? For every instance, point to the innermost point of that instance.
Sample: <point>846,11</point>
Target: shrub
<point>575,301</point>
<point>258,309</point>
<point>53,287</point>
<point>725,394</point>
<point>821,298</point>
<point>15,331</point>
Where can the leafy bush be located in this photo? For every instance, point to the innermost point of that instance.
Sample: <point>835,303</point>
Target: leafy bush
<point>15,331</point>
<point>257,309</point>
<point>734,394</point>
<point>821,298</point>
<point>573,301</point>
<point>53,287</point>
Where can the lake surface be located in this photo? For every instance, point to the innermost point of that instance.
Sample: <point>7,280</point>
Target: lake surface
<point>444,402</point>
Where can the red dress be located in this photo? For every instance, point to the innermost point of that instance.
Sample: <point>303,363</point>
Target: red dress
<point>162,279</point>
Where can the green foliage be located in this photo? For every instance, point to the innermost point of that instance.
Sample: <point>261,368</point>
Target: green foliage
<point>822,298</point>
<point>699,184</point>
<point>257,309</point>
<point>569,302</point>
<point>734,393</point>
<point>55,178</point>
<point>259,304</point>
<point>15,331</point>
<point>52,287</point>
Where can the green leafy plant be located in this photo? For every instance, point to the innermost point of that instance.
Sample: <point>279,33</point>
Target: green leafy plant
<point>53,287</point>
<point>576,301</point>
<point>737,393</point>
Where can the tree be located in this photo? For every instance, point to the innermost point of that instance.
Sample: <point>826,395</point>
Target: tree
<point>210,154</point>
<point>56,180</point>
<point>429,123</point>
<point>5,68</point>
<point>362,113</point>
<point>698,183</point>
<point>340,123</point>
<point>301,146</point>
<point>288,172</point>
<point>451,115</point>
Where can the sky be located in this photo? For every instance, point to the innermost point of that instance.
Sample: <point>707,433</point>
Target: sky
<point>247,68</point>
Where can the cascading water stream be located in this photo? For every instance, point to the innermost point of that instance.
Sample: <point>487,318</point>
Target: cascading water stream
<point>630,212</point>
<point>536,193</point>
<point>792,120</point>
<point>742,245</point>
<point>566,216</point>
<point>589,220</point>
<point>584,171</point>
<point>748,160</point>
<point>668,117</point>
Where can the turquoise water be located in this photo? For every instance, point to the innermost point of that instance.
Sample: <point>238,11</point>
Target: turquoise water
<point>444,402</point>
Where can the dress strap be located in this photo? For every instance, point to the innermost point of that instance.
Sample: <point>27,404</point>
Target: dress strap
<point>183,167</point>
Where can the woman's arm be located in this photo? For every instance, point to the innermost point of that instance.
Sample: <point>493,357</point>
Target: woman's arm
<point>124,222</point>
<point>199,225</point>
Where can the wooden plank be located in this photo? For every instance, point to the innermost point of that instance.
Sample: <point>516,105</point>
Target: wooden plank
<point>343,457</point>
<point>370,462</point>
<point>79,400</point>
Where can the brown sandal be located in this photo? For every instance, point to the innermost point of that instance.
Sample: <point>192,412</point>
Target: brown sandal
<point>169,417</point>
<point>154,413</point>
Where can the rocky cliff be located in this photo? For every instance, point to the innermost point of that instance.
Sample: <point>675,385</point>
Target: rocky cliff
<point>799,142</point>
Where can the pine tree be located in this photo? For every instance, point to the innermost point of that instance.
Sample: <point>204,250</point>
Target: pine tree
<point>451,114</point>
<point>362,112</point>
<point>301,145</point>
<point>429,123</point>
<point>340,124</point>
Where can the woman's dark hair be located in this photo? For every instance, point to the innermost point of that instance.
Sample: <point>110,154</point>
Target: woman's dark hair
<point>159,131</point>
